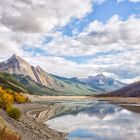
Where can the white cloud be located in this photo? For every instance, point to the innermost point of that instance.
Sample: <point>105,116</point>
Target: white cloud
<point>24,24</point>
<point>8,47</point>
<point>117,41</point>
<point>114,35</point>
<point>120,39</point>
<point>41,16</point>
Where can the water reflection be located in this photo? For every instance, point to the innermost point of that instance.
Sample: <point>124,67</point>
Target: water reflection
<point>95,121</point>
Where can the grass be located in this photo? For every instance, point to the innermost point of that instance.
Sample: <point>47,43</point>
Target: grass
<point>6,133</point>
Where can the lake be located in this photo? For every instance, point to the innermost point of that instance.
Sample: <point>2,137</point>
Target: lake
<point>94,120</point>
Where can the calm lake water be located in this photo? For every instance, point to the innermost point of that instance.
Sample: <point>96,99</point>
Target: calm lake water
<point>94,120</point>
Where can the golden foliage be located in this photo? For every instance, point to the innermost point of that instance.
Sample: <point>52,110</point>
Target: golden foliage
<point>7,134</point>
<point>7,98</point>
<point>19,98</point>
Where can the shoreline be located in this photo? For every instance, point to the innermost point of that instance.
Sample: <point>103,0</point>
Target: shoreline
<point>127,100</point>
<point>28,128</point>
<point>31,129</point>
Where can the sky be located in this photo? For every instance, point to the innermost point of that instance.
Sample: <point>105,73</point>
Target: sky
<point>76,38</point>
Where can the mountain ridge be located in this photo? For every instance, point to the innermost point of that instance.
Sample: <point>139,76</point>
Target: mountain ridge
<point>103,82</point>
<point>39,78</point>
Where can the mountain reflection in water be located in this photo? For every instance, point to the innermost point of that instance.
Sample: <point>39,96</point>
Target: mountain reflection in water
<point>94,120</point>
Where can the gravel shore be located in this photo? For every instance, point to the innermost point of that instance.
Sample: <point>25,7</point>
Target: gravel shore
<point>28,128</point>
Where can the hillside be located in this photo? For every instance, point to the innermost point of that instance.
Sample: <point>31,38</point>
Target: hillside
<point>131,90</point>
<point>8,81</point>
<point>67,88</point>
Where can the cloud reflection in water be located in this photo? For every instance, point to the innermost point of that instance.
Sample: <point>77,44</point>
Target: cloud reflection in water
<point>99,122</point>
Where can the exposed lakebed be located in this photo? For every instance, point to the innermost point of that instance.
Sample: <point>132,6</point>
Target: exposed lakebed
<point>92,120</point>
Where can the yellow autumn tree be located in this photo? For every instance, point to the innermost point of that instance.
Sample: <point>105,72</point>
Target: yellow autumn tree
<point>19,98</point>
<point>9,99</point>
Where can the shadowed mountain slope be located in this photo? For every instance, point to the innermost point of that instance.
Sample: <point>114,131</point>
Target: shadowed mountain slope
<point>131,90</point>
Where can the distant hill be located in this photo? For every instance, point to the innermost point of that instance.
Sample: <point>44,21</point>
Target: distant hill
<point>131,90</point>
<point>37,81</point>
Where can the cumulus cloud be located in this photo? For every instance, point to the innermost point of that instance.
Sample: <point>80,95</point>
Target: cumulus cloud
<point>114,35</point>
<point>41,16</point>
<point>115,45</point>
<point>25,25</point>
<point>117,41</point>
<point>8,47</point>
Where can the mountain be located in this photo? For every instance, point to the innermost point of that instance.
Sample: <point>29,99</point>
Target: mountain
<point>100,82</point>
<point>131,90</point>
<point>18,66</point>
<point>37,81</point>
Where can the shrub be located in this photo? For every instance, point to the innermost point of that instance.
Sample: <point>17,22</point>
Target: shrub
<point>14,113</point>
<point>9,96</point>
<point>19,98</point>
<point>6,134</point>
<point>8,107</point>
<point>2,104</point>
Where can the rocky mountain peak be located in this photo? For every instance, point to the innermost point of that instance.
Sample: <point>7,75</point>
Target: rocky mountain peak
<point>16,65</point>
<point>103,82</point>
<point>15,56</point>
<point>96,77</point>
<point>101,76</point>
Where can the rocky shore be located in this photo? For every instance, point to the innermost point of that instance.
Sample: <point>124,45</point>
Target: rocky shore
<point>28,128</point>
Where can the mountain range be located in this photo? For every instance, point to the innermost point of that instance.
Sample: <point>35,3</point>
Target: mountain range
<point>37,81</point>
<point>101,82</point>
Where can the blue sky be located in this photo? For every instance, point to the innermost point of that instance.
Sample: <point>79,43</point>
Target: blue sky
<point>103,12</point>
<point>74,38</point>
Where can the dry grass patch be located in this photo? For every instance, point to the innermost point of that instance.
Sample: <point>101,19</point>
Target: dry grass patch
<point>6,133</point>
